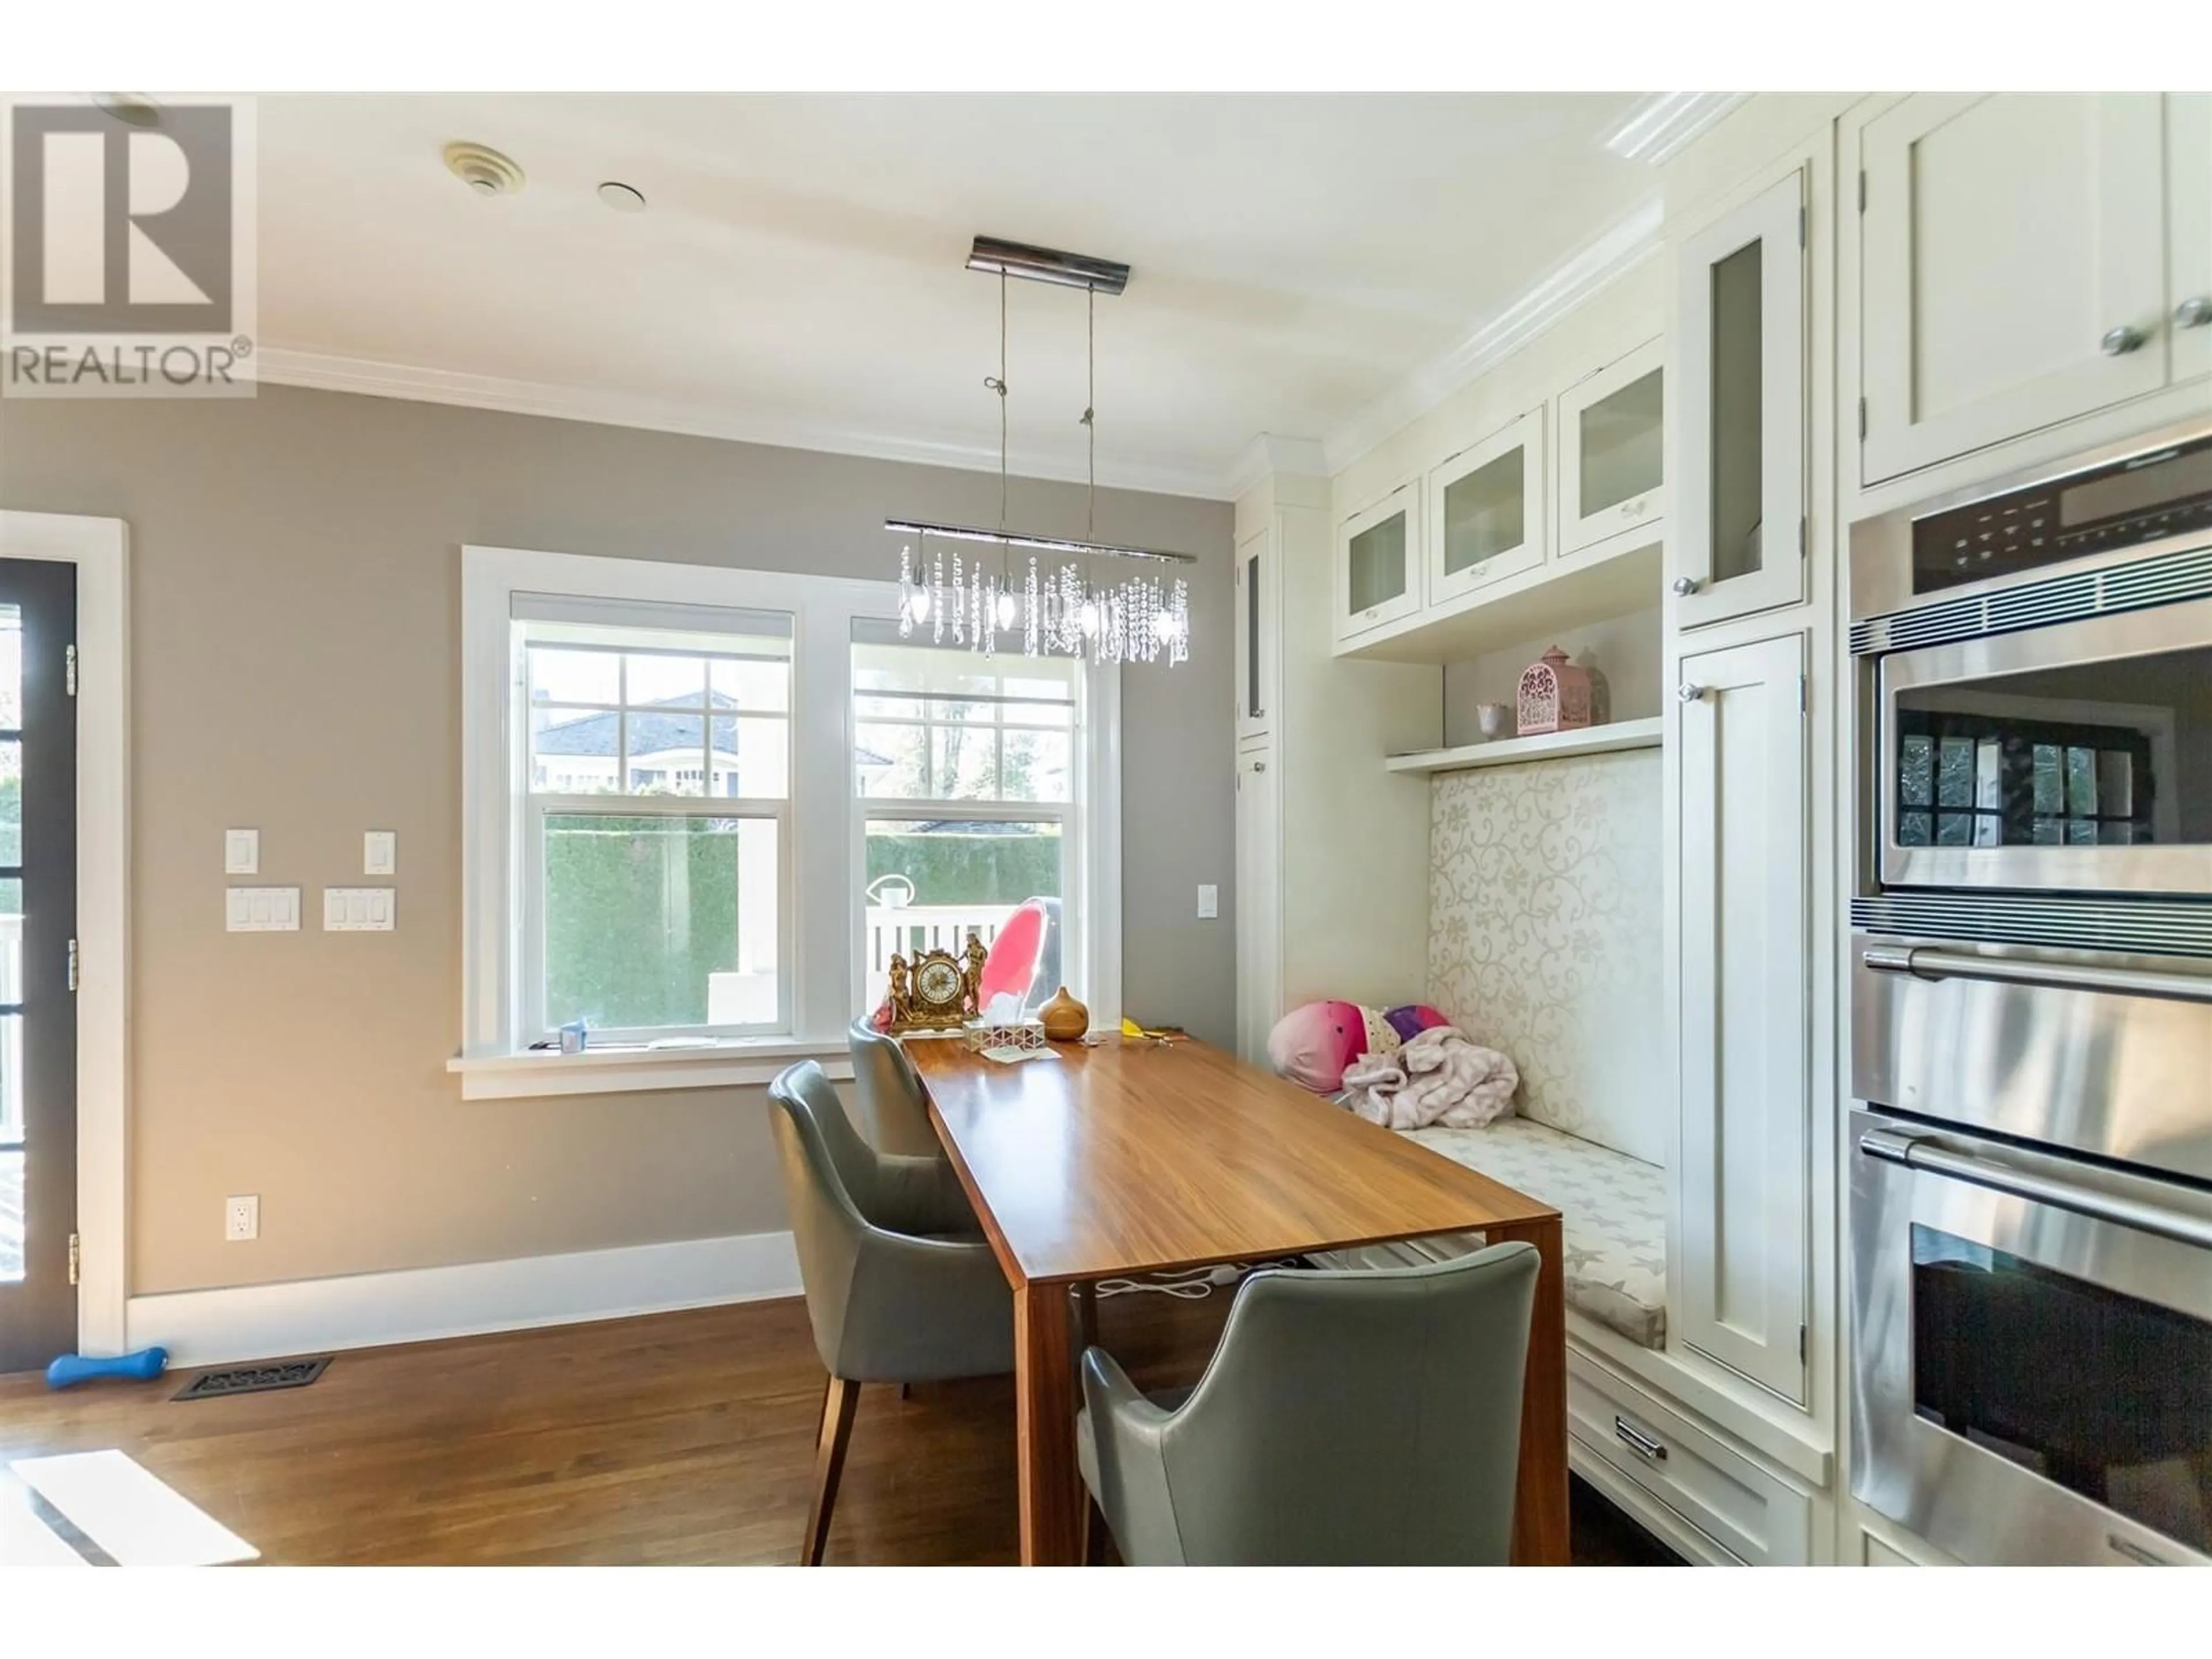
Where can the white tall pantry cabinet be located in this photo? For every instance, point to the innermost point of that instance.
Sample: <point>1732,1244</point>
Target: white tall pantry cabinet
<point>1332,851</point>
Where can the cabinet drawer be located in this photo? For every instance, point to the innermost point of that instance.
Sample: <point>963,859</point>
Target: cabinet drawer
<point>1753,1516</point>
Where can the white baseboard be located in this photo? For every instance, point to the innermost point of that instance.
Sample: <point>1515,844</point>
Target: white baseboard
<point>363,1311</point>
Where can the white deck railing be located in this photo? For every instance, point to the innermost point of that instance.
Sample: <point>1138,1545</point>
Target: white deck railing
<point>910,929</point>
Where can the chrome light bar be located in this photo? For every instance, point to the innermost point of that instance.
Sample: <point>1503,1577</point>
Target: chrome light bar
<point>1048,264</point>
<point>953,532</point>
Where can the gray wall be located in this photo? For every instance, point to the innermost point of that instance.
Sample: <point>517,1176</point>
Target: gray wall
<point>295,659</point>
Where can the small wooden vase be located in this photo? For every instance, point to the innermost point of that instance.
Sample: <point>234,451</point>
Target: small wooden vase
<point>1065,1018</point>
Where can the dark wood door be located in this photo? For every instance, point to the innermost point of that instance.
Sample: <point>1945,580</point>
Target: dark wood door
<point>37,932</point>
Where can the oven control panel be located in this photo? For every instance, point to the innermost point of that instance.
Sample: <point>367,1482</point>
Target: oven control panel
<point>2144,498</point>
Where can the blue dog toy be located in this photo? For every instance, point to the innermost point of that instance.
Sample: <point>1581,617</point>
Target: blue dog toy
<point>73,1368</point>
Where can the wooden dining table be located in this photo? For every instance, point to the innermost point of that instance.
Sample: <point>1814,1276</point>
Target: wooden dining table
<point>1133,1157</point>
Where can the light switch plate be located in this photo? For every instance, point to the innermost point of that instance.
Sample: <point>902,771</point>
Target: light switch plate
<point>1209,901</point>
<point>359,909</point>
<point>242,852</point>
<point>379,853</point>
<point>262,909</point>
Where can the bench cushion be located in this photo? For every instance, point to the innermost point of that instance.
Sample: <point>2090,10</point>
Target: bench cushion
<point>1613,1219</point>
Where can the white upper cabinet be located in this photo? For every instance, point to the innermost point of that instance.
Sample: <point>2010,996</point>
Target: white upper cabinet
<point>1258,666</point>
<point>1746,1077</point>
<point>1738,541</point>
<point>1486,512</point>
<point>2014,271</point>
<point>1377,578</point>
<point>1612,461</point>
<point>2189,218</point>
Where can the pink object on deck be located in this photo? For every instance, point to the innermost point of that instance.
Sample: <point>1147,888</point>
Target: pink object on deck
<point>1012,964</point>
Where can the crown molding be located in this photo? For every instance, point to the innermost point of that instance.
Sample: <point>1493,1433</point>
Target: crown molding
<point>1626,244</point>
<point>323,372</point>
<point>1665,123</point>
<point>1271,454</point>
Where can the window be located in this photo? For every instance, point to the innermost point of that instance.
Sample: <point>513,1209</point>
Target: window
<point>658,822</point>
<point>968,770</point>
<point>686,789</point>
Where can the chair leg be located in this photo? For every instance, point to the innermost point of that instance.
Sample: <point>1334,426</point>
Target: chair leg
<point>906,1390</point>
<point>838,1401</point>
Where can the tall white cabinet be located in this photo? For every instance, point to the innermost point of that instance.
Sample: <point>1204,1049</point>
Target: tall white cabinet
<point>1750,779</point>
<point>1332,855</point>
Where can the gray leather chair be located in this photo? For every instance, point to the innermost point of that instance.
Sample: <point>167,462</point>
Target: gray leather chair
<point>893,1104</point>
<point>1347,1417</point>
<point>900,1285</point>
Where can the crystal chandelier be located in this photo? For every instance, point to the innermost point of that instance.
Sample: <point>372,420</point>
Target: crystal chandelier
<point>1060,611</point>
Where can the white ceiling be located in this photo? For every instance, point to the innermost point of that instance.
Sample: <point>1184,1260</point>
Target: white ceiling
<point>798,277</point>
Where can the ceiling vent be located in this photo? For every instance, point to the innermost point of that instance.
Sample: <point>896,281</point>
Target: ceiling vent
<point>484,170</point>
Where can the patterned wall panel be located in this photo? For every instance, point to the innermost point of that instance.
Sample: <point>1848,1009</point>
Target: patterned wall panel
<point>1545,937</point>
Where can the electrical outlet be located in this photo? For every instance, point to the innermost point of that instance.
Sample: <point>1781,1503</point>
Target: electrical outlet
<point>241,1217</point>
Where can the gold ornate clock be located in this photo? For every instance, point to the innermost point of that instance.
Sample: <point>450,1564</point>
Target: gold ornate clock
<point>936,992</point>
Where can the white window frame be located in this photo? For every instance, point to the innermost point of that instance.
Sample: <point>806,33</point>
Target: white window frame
<point>1091,831</point>
<point>825,904</point>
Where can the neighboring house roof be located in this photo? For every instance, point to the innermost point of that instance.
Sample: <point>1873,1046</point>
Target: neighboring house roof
<point>650,734</point>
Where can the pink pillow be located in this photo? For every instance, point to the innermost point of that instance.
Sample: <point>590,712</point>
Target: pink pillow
<point>1312,1045</point>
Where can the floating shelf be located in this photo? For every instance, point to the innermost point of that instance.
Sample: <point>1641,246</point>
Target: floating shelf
<point>1605,739</point>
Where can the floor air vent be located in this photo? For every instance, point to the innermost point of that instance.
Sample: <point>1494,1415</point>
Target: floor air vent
<point>255,1379</point>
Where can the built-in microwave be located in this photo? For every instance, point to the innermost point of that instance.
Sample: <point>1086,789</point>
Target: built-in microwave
<point>2035,683</point>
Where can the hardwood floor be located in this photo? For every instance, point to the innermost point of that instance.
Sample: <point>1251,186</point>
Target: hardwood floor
<point>677,1437</point>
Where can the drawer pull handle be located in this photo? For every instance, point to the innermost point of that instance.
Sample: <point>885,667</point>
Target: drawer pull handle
<point>1637,1441</point>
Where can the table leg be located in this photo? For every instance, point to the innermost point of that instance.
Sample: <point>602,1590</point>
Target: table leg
<point>1044,1426</point>
<point>1540,1506</point>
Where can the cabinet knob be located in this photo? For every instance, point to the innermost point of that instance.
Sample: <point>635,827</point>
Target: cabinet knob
<point>1685,586</point>
<point>2193,313</point>
<point>1259,766</point>
<point>1689,693</point>
<point>2119,342</point>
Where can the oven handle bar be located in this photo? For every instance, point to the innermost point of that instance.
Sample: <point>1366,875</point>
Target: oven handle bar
<point>1918,1153</point>
<point>1923,963</point>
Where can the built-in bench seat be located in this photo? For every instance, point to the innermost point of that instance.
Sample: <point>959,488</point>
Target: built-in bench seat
<point>1613,1214</point>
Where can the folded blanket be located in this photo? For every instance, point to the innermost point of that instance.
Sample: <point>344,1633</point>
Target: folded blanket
<point>1438,1077</point>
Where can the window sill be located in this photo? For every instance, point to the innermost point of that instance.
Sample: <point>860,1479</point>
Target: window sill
<point>545,1072</point>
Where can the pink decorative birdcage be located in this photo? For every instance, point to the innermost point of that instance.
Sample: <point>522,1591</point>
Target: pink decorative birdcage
<point>1555,697</point>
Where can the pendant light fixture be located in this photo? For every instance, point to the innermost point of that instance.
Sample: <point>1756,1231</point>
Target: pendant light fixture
<point>1064,611</point>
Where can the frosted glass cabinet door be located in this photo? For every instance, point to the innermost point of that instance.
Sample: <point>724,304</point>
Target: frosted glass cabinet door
<point>1613,450</point>
<point>1744,1047</point>
<point>1486,511</point>
<point>1738,519</point>
<point>1256,659</point>
<point>2013,267</point>
<point>1377,580</point>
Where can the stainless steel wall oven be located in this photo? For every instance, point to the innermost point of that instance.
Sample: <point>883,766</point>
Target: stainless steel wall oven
<point>2030,1171</point>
